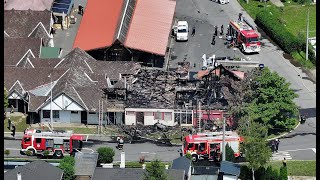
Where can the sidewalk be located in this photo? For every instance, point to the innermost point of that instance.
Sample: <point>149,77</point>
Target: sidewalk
<point>278,3</point>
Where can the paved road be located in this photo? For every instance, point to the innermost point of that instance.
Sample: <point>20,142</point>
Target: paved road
<point>133,151</point>
<point>206,14</point>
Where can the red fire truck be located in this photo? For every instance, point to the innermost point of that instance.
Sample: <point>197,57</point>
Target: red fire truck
<point>57,143</point>
<point>244,37</point>
<point>207,145</point>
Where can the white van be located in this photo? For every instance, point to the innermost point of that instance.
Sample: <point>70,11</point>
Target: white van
<point>224,1</point>
<point>182,31</point>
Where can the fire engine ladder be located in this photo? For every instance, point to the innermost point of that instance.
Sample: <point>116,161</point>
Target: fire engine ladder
<point>52,134</point>
<point>100,117</point>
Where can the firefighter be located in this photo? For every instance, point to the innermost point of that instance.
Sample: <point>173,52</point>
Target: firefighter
<point>277,144</point>
<point>273,146</point>
<point>216,30</point>
<point>240,17</point>
<point>193,31</point>
<point>13,130</point>
<point>284,162</point>
<point>9,123</point>
<point>221,30</point>
<point>213,40</point>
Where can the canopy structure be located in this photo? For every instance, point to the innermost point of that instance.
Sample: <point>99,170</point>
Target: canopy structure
<point>60,7</point>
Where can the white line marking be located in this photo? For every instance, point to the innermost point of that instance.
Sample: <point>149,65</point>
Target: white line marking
<point>144,152</point>
<point>314,150</point>
<point>296,150</point>
<point>15,149</point>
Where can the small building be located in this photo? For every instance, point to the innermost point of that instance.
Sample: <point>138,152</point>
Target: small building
<point>183,163</point>
<point>131,30</point>
<point>229,171</point>
<point>34,170</point>
<point>85,164</point>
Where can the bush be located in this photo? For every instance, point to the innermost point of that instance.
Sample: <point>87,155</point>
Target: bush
<point>68,171</point>
<point>283,173</point>
<point>229,153</point>
<point>245,172</point>
<point>271,25</point>
<point>46,153</point>
<point>260,174</point>
<point>106,154</point>
<point>68,160</point>
<point>188,155</point>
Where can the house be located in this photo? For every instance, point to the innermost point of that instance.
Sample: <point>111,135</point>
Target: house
<point>34,170</point>
<point>131,174</point>
<point>183,163</point>
<point>128,31</point>
<point>24,24</point>
<point>204,171</point>
<point>77,83</point>
<point>229,171</point>
<point>34,5</point>
<point>85,164</point>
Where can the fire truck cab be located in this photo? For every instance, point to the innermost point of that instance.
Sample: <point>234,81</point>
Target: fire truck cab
<point>57,143</point>
<point>207,145</point>
<point>244,37</point>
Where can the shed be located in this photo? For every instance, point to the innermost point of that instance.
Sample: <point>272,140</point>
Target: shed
<point>229,170</point>
<point>182,163</point>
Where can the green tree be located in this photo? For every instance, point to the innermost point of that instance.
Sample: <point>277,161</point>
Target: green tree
<point>68,171</point>
<point>46,153</point>
<point>256,151</point>
<point>106,154</point>
<point>7,153</point>
<point>188,155</point>
<point>68,160</point>
<point>283,173</point>
<point>6,101</point>
<point>229,153</point>
<point>155,171</point>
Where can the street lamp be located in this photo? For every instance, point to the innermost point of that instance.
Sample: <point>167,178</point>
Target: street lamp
<point>51,117</point>
<point>307,44</point>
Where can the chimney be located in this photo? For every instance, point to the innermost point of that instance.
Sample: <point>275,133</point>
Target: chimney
<point>167,166</point>
<point>19,176</point>
<point>123,161</point>
<point>143,166</point>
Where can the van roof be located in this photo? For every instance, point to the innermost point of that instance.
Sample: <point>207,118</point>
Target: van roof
<point>182,23</point>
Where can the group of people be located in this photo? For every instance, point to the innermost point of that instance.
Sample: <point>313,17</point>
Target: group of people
<point>275,145</point>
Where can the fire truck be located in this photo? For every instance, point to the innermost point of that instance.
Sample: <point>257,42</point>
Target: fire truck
<point>244,37</point>
<point>57,143</point>
<point>207,145</point>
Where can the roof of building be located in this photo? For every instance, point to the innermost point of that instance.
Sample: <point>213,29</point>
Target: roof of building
<point>38,169</point>
<point>85,163</point>
<point>60,7</point>
<point>34,5</point>
<point>50,52</point>
<point>99,24</point>
<point>204,170</point>
<point>230,168</point>
<point>151,25</point>
<point>27,23</point>
<point>182,163</point>
<point>130,173</point>
<point>17,48</point>
<point>204,177</point>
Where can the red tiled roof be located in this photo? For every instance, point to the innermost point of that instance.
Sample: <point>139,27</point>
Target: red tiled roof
<point>99,24</point>
<point>151,25</point>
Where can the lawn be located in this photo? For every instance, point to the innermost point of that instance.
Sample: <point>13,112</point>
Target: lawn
<point>19,122</point>
<point>297,168</point>
<point>293,15</point>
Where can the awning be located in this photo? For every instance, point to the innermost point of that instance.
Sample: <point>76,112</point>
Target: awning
<point>50,52</point>
<point>62,6</point>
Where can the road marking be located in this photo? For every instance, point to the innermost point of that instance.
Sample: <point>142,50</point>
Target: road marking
<point>280,155</point>
<point>144,152</point>
<point>297,150</point>
<point>314,150</point>
<point>14,149</point>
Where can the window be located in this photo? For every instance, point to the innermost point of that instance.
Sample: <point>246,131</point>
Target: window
<point>45,114</point>
<point>92,112</point>
<point>55,114</point>
<point>158,115</point>
<point>190,145</point>
<point>177,117</point>
<point>189,118</point>
<point>27,139</point>
<point>38,140</point>
<point>74,112</point>
<point>183,118</point>
<point>148,113</point>
<point>167,116</point>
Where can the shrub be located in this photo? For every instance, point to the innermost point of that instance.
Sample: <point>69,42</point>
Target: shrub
<point>188,155</point>
<point>229,153</point>
<point>28,153</point>
<point>283,173</point>
<point>245,172</point>
<point>68,160</point>
<point>7,152</point>
<point>46,153</point>
<point>260,173</point>
<point>68,171</point>
<point>106,154</point>
<point>271,25</point>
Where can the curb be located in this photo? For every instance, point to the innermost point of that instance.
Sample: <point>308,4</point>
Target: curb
<point>278,137</point>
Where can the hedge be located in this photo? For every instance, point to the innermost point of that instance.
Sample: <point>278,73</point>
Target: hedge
<point>272,26</point>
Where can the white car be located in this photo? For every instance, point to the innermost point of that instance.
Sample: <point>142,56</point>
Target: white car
<point>224,1</point>
<point>182,31</point>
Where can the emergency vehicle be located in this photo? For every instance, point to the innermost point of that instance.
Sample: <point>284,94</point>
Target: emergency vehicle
<point>207,145</point>
<point>244,37</point>
<point>57,143</point>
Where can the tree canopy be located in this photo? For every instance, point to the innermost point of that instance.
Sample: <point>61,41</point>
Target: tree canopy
<point>106,154</point>
<point>268,100</point>
<point>155,171</point>
<point>67,165</point>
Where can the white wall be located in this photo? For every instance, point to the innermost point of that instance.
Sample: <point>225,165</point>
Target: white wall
<point>148,120</point>
<point>75,118</point>
<point>63,102</point>
<point>65,116</point>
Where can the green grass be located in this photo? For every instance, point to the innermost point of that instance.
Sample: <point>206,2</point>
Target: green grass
<point>301,59</point>
<point>297,168</point>
<point>19,122</point>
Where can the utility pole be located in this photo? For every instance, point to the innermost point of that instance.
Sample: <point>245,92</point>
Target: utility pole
<point>199,120</point>
<point>224,140</point>
<point>307,44</point>
<point>51,114</point>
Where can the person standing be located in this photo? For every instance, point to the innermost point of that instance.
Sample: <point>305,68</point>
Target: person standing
<point>221,30</point>
<point>277,144</point>
<point>273,146</point>
<point>213,40</point>
<point>216,30</point>
<point>193,31</point>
